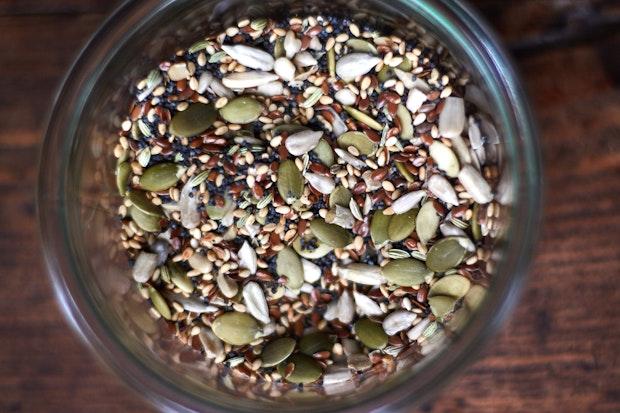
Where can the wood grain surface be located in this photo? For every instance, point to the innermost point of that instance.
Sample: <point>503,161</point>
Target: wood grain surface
<point>560,350</point>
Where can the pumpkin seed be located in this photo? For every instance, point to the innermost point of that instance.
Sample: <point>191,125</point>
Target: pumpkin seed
<point>311,248</point>
<point>288,264</point>
<point>290,181</point>
<point>259,24</point>
<point>452,286</point>
<point>364,118</point>
<point>427,222</point>
<point>179,278</point>
<point>159,303</point>
<point>384,74</point>
<point>371,334</point>
<point>362,46</point>
<point>149,223</point>
<point>406,123</point>
<point>445,254</point>
<point>277,351</point>
<point>406,65</point>
<point>122,175</point>
<point>289,128</point>
<point>139,200</point>
<point>306,369</point>
<point>402,225</point>
<point>359,140</point>
<point>332,235</point>
<point>441,305</point>
<point>161,176</point>
<point>362,274</point>
<point>278,48</point>
<point>236,328</point>
<point>241,110</point>
<point>314,342</point>
<point>406,272</point>
<point>325,153</point>
<point>379,227</point>
<point>474,297</point>
<point>194,120</point>
<point>218,213</point>
<point>340,196</point>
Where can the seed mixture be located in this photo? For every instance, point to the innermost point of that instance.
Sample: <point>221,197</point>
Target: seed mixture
<point>309,200</point>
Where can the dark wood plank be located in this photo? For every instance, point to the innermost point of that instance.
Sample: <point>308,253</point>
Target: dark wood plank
<point>558,352</point>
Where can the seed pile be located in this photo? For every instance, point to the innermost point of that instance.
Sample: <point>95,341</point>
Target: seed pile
<point>308,200</point>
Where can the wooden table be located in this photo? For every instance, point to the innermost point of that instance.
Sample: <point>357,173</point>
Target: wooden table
<point>560,350</point>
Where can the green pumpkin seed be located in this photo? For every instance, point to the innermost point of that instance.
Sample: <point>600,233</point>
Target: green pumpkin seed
<point>359,140</point>
<point>236,328</point>
<point>331,62</point>
<point>259,24</point>
<point>476,232</point>
<point>371,334</point>
<point>404,172</point>
<point>406,65</point>
<point>384,74</point>
<point>277,351</point>
<point>290,182</point>
<point>218,213</point>
<point>340,196</point>
<point>474,297</point>
<point>362,46</point>
<point>441,305</point>
<point>402,225</point>
<point>123,170</point>
<point>161,176</point>
<point>331,234</point>
<point>379,227</point>
<point>194,120</point>
<point>241,110</point>
<point>159,303</point>
<point>311,248</point>
<point>452,286</point>
<point>288,264</point>
<point>406,272</point>
<point>148,223</point>
<point>140,201</point>
<point>325,153</point>
<point>179,278</point>
<point>306,369</point>
<point>314,342</point>
<point>364,118</point>
<point>406,123</point>
<point>278,48</point>
<point>427,222</point>
<point>445,254</point>
<point>289,128</point>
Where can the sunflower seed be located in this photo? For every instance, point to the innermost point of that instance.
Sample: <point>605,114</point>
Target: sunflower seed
<point>244,80</point>
<point>398,321</point>
<point>350,159</point>
<point>336,375</point>
<point>292,44</point>
<point>452,117</point>
<point>236,328</point>
<point>346,97</point>
<point>227,285</point>
<point>144,267</point>
<point>215,85</point>
<point>340,216</point>
<point>285,69</point>
<point>362,274</point>
<point>213,346</point>
<point>415,100</point>
<point>366,306</point>
<point>407,202</point>
<point>416,332</point>
<point>247,257</point>
<point>346,307</point>
<point>475,136</point>
<point>444,157</point>
<point>355,64</point>
<point>250,56</point>
<point>188,208</point>
<point>254,300</point>
<point>192,303</point>
<point>312,272</point>
<point>362,46</point>
<point>475,185</point>
<point>302,142</point>
<point>305,59</point>
<point>270,89</point>
<point>441,188</point>
<point>323,184</point>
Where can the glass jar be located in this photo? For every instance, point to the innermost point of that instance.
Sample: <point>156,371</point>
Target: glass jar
<point>77,202</point>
